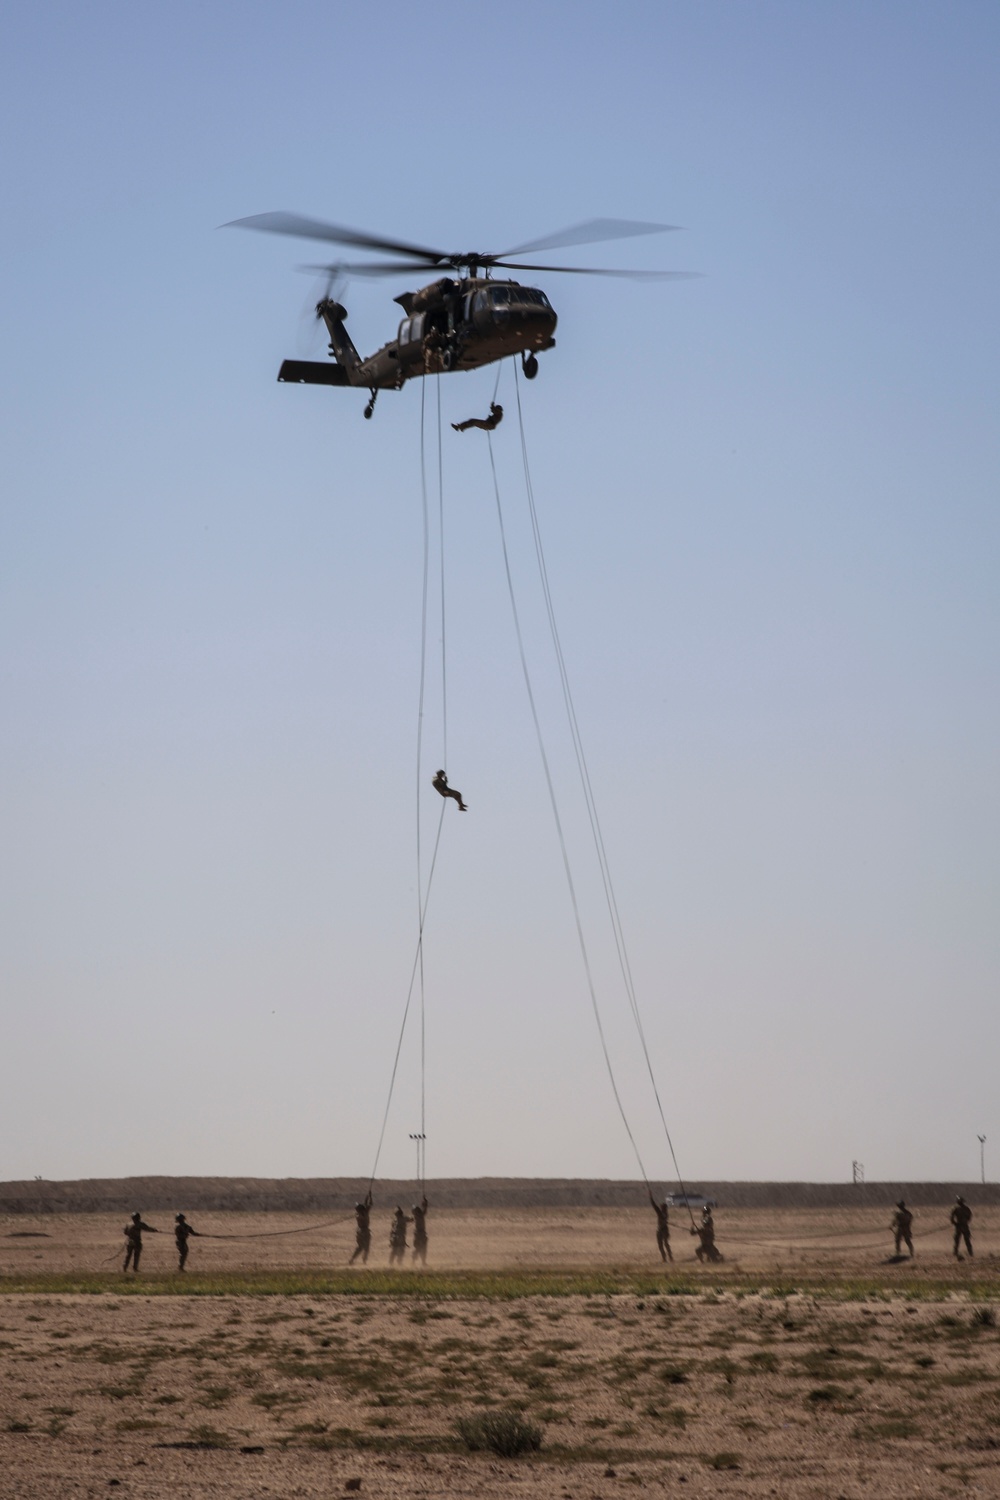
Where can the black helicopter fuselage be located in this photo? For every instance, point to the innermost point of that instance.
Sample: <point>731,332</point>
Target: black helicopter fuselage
<point>448,325</point>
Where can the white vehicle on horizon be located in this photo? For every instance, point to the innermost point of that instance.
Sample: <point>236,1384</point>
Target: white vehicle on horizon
<point>690,1200</point>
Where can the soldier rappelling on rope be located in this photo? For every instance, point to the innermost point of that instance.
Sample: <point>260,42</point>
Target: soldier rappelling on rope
<point>440,784</point>
<point>486,423</point>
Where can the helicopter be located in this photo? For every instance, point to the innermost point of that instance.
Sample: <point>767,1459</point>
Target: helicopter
<point>458,322</point>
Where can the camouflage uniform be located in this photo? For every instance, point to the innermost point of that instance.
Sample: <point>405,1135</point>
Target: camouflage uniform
<point>440,784</point>
<point>662,1228</point>
<point>420,1230</point>
<point>902,1227</point>
<point>363,1233</point>
<point>486,423</point>
<point>961,1218</point>
<point>706,1249</point>
<point>397,1237</point>
<point>133,1240</point>
<point>182,1233</point>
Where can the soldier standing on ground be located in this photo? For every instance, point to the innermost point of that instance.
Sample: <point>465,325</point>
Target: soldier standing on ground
<point>902,1227</point>
<point>133,1240</point>
<point>420,1231</point>
<point>397,1236</point>
<point>961,1218</point>
<point>182,1233</point>
<point>662,1227</point>
<point>706,1248</point>
<point>363,1232</point>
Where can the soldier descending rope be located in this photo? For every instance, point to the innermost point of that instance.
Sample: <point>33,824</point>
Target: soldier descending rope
<point>440,784</point>
<point>486,423</point>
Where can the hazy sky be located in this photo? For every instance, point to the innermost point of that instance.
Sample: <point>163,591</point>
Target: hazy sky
<point>769,500</point>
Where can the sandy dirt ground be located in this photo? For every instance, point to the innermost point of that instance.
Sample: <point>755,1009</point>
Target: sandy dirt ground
<point>813,1240</point>
<point>721,1389</point>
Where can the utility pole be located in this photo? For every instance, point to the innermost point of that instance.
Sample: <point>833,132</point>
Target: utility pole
<point>982,1158</point>
<point>419,1138</point>
<point>858,1173</point>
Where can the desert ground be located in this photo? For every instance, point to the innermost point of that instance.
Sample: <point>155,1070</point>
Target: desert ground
<point>806,1364</point>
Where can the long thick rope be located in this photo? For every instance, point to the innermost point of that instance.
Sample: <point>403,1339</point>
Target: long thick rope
<point>420,728</point>
<point>423,893</point>
<point>610,897</point>
<point>556,814</point>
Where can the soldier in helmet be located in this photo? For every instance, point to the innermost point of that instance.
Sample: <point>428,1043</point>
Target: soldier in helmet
<point>397,1236</point>
<point>902,1227</point>
<point>706,1248</point>
<point>363,1232</point>
<point>961,1218</point>
<point>486,423</point>
<point>440,784</point>
<point>182,1233</point>
<point>662,1227</point>
<point>420,1231</point>
<point>133,1240</point>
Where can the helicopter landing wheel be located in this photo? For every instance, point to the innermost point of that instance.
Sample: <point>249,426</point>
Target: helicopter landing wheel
<point>447,359</point>
<point>529,367</point>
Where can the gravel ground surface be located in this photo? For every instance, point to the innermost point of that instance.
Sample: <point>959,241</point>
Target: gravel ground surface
<point>716,1391</point>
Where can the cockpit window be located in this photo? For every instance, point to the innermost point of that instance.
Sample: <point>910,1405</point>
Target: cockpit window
<point>500,294</point>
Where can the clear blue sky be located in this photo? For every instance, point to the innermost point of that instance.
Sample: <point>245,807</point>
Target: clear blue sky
<point>769,498</point>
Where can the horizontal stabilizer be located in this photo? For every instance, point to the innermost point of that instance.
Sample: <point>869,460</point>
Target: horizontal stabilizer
<point>312,372</point>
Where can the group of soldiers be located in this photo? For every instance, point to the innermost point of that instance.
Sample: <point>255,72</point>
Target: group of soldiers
<point>133,1233</point>
<point>705,1250</point>
<point>397,1232</point>
<point>960,1219</point>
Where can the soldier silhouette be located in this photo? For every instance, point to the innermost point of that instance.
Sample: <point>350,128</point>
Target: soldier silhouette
<point>662,1228</point>
<point>420,1230</point>
<point>133,1240</point>
<point>486,423</point>
<point>182,1233</point>
<point>363,1232</point>
<point>440,784</point>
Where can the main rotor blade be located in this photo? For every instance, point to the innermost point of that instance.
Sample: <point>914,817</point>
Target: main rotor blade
<point>589,233</point>
<point>515,265</point>
<point>334,234</point>
<point>374,268</point>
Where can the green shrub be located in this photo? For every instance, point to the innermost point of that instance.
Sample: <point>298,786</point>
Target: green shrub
<point>724,1461</point>
<point>504,1432</point>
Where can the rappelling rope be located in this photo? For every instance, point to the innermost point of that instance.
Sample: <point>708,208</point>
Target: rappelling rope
<point>423,893</point>
<point>409,998</point>
<point>556,815</point>
<point>588,791</point>
<point>420,729</point>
